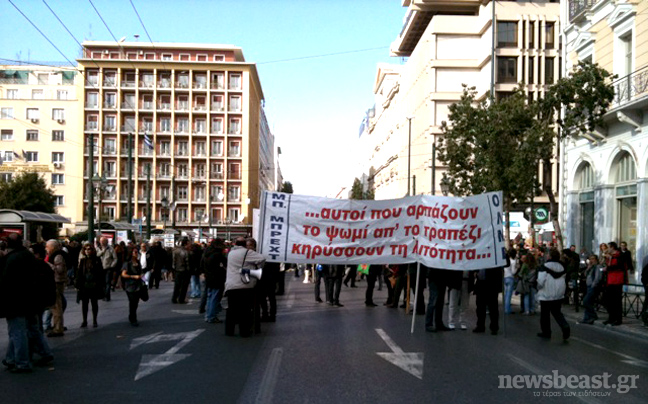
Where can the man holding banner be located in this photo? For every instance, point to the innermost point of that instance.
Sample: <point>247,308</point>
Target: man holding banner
<point>441,232</point>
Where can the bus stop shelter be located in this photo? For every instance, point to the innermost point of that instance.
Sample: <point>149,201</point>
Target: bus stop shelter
<point>26,223</point>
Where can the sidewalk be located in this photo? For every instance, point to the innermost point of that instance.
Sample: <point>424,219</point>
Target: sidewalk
<point>631,325</point>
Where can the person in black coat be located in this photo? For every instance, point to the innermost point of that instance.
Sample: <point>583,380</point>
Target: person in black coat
<point>132,275</point>
<point>333,275</point>
<point>214,268</point>
<point>267,285</point>
<point>89,283</point>
<point>488,286</point>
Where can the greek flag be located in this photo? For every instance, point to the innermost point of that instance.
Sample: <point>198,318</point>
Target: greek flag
<point>147,141</point>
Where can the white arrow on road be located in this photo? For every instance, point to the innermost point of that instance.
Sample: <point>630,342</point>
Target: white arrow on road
<point>411,362</point>
<point>152,363</point>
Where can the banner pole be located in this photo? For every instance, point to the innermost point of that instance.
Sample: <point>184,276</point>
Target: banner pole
<point>418,279</point>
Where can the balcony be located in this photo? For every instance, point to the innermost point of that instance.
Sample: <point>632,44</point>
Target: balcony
<point>216,176</point>
<point>91,105</point>
<point>109,82</point>
<point>89,83</point>
<point>577,8</point>
<point>145,151</point>
<point>217,86</point>
<point>182,153</point>
<point>200,107</point>
<point>182,106</point>
<point>110,105</point>
<point>164,129</point>
<point>147,84</point>
<point>164,84</point>
<point>199,86</point>
<point>632,87</point>
<point>217,107</point>
<point>128,84</point>
<point>234,176</point>
<point>182,85</point>
<point>108,151</point>
<point>147,105</point>
<point>109,128</point>
<point>165,106</point>
<point>127,105</point>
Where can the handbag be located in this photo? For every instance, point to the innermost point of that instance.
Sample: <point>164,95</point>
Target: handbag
<point>143,291</point>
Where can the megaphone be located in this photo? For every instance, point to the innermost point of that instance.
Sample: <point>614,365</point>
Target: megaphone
<point>246,273</point>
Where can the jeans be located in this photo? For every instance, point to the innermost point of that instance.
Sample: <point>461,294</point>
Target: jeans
<point>588,303</point>
<point>180,287</point>
<point>213,306</point>
<point>529,301</point>
<point>108,286</point>
<point>37,341</point>
<point>509,283</point>
<point>203,294</point>
<point>433,316</point>
<point>18,349</point>
<point>195,286</point>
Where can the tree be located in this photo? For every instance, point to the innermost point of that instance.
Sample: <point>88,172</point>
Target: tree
<point>287,187</point>
<point>358,191</point>
<point>28,191</point>
<point>497,146</point>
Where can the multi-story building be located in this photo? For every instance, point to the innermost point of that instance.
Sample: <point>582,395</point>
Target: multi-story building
<point>447,44</point>
<point>605,173</point>
<point>194,114</point>
<point>38,133</point>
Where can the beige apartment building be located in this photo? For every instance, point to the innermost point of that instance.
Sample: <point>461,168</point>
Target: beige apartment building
<point>447,44</point>
<point>38,131</point>
<point>195,116</point>
<point>605,173</point>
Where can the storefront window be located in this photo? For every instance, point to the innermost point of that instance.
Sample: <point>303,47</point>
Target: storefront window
<point>586,201</point>
<point>626,195</point>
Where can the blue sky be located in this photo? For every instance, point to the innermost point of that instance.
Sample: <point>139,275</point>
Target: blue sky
<point>314,106</point>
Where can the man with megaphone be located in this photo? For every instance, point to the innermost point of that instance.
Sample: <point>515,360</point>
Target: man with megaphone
<point>243,270</point>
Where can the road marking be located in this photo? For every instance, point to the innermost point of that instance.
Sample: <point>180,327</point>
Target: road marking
<point>628,359</point>
<point>266,389</point>
<point>539,371</point>
<point>153,363</point>
<point>411,362</point>
<point>290,301</point>
<point>194,311</point>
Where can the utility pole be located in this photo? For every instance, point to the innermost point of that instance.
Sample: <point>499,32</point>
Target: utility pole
<point>433,187</point>
<point>148,201</point>
<point>90,189</point>
<point>492,84</point>
<point>409,152</point>
<point>173,193</point>
<point>414,185</point>
<point>130,177</point>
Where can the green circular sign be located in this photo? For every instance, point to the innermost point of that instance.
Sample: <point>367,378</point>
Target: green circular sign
<point>541,214</point>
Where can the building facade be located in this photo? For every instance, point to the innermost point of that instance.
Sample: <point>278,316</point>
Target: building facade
<point>195,117</point>
<point>38,131</point>
<point>605,173</point>
<point>448,44</point>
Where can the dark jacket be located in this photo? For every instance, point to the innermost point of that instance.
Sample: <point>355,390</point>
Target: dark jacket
<point>17,292</point>
<point>133,285</point>
<point>90,278</point>
<point>214,266</point>
<point>159,257</point>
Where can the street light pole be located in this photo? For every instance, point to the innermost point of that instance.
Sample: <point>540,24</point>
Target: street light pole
<point>90,189</point>
<point>409,152</point>
<point>434,165</point>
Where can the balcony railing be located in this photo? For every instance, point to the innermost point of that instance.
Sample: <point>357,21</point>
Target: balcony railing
<point>234,176</point>
<point>164,106</point>
<point>217,86</point>
<point>217,107</point>
<point>216,176</point>
<point>128,84</point>
<point>579,7</point>
<point>109,83</point>
<point>182,84</point>
<point>147,105</point>
<point>631,87</point>
<point>127,105</point>
<point>199,85</point>
<point>164,84</point>
<point>109,105</point>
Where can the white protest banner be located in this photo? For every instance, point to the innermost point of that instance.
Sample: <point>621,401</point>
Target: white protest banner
<point>440,232</point>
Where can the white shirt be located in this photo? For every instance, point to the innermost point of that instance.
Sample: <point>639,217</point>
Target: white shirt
<point>143,260</point>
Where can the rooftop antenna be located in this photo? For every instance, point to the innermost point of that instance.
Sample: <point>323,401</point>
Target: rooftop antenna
<point>122,39</point>
<point>136,37</point>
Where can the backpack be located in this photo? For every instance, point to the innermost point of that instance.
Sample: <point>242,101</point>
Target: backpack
<point>44,285</point>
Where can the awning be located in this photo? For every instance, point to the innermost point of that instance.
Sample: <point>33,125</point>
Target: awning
<point>12,216</point>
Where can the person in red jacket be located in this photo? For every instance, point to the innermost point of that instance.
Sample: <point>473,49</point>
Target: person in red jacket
<point>616,278</point>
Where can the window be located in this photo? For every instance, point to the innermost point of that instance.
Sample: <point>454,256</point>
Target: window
<point>217,125</point>
<point>506,69</point>
<point>200,126</point>
<point>58,136</point>
<point>182,148</point>
<point>58,179</point>
<point>92,78</point>
<point>233,193</point>
<point>185,57</point>
<point>182,214</point>
<point>109,212</point>
<point>201,58</point>
<point>233,214</point>
<point>167,56</point>
<point>43,78</point>
<point>12,94</point>
<point>200,148</point>
<point>234,81</point>
<point>219,58</point>
<point>6,177</point>
<point>164,192</point>
<point>58,157</point>
<point>92,100</point>
<point>165,148</point>
<point>531,70</point>
<point>59,200</point>
<point>234,126</point>
<point>110,168</point>
<point>110,122</point>
<point>217,102</point>
<point>6,113</point>
<point>217,170</point>
<point>32,135</point>
<point>199,194</point>
<point>506,34</point>
<point>182,171</point>
<point>61,94</point>
<point>235,149</point>
<point>110,146</point>
<point>217,148</point>
<point>626,46</point>
<point>58,114</point>
<point>235,103</point>
<point>217,193</point>
<point>549,35</point>
<point>109,79</point>
<point>532,25</point>
<point>549,70</point>
<point>6,134</point>
<point>33,113</point>
<point>37,94</point>
<point>92,123</point>
<point>31,156</point>
<point>7,156</point>
<point>218,81</point>
<point>183,125</point>
<point>110,100</point>
<point>165,124</point>
<point>165,170</point>
<point>182,192</point>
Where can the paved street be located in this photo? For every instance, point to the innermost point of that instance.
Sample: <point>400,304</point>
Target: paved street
<point>315,353</point>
